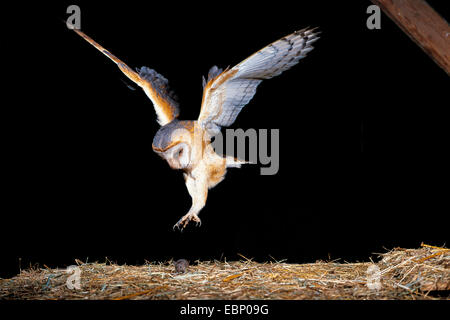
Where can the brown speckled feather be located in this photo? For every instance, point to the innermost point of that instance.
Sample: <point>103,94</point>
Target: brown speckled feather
<point>154,85</point>
<point>225,94</point>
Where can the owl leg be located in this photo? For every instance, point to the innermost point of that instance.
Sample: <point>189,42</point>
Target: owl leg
<point>198,190</point>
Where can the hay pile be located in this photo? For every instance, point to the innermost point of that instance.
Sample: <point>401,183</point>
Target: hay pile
<point>400,274</point>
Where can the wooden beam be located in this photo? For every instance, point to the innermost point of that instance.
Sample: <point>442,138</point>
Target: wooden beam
<point>423,25</point>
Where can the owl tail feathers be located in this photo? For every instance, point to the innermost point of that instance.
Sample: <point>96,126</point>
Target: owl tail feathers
<point>233,162</point>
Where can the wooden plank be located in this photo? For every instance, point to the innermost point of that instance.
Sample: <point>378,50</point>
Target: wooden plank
<point>423,25</point>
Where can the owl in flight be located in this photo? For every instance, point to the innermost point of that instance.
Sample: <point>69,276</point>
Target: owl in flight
<point>186,144</point>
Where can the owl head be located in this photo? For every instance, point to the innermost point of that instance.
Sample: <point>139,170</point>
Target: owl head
<point>172,142</point>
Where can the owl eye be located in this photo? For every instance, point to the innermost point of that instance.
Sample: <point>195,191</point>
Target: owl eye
<point>180,153</point>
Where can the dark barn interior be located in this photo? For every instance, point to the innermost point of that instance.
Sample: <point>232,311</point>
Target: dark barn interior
<point>363,140</point>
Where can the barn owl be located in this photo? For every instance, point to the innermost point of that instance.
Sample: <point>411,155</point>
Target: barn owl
<point>186,144</point>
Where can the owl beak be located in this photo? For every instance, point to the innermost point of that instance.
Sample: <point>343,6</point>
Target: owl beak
<point>172,165</point>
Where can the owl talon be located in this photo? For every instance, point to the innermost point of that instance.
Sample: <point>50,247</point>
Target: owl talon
<point>183,222</point>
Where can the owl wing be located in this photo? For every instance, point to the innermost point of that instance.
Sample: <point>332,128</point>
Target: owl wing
<point>154,85</point>
<point>227,92</point>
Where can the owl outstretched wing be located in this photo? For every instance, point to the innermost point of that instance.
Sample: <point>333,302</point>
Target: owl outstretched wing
<point>227,92</point>
<point>154,85</point>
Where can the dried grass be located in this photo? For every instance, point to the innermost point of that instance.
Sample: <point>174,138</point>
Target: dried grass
<point>404,274</point>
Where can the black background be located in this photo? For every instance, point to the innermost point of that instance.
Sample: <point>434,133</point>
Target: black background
<point>363,138</point>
